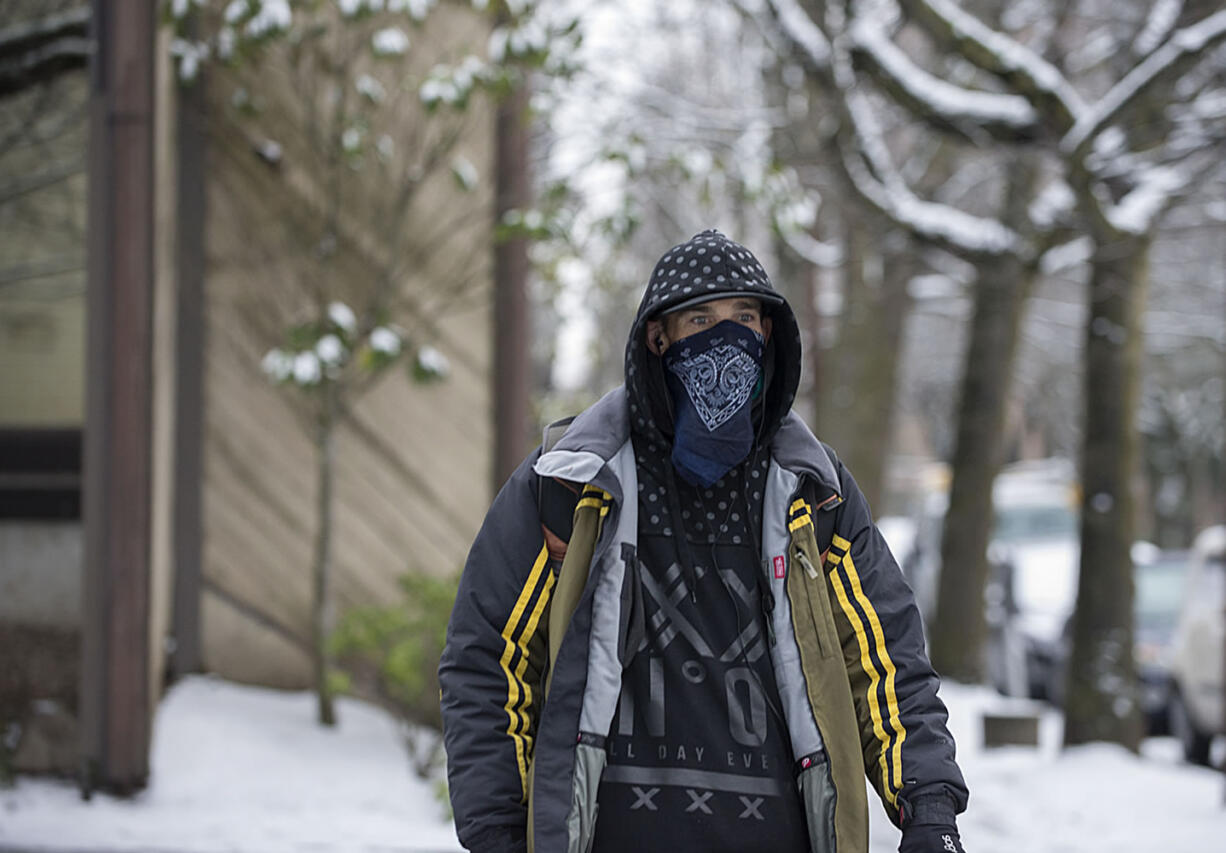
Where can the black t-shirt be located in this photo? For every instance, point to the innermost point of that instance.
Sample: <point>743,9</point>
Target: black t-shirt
<point>699,757</point>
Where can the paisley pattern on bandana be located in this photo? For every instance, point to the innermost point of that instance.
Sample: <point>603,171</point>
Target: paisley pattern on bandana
<point>718,381</point>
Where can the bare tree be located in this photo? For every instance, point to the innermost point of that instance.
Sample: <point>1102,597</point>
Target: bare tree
<point>1119,194</point>
<point>839,51</point>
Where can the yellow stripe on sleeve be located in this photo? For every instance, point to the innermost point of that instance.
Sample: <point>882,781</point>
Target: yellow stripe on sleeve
<point>900,734</point>
<point>508,652</point>
<point>525,638</point>
<point>866,661</point>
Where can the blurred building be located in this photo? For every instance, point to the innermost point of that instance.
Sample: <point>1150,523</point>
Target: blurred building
<point>223,461</point>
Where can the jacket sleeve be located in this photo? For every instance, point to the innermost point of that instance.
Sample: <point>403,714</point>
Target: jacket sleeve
<point>908,750</point>
<point>492,668</point>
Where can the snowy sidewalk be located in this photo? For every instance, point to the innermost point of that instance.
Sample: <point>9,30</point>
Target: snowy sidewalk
<point>247,769</point>
<point>1092,799</point>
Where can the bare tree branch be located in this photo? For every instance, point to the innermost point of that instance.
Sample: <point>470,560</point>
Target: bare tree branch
<point>1166,63</point>
<point>1032,75</point>
<point>967,112</point>
<point>879,182</point>
<point>1162,18</point>
<point>812,46</point>
<point>947,227</point>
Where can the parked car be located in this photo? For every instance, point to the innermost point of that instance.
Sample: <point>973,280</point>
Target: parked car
<point>1198,708</point>
<point>1034,562</point>
<point>1159,578</point>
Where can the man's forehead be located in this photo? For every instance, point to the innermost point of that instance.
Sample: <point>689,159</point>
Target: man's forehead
<point>734,302</point>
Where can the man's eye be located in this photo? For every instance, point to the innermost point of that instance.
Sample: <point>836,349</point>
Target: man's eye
<point>749,318</point>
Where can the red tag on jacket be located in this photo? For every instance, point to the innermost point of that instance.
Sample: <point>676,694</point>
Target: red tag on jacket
<point>780,567</point>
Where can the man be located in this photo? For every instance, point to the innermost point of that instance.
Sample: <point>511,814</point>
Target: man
<point>678,629</point>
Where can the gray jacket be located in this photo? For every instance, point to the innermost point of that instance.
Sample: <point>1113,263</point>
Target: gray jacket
<point>532,669</point>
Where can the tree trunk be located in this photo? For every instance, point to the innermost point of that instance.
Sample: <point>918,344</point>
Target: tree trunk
<point>510,321</point>
<point>837,401</point>
<point>960,628</point>
<point>796,279</point>
<point>877,337</point>
<point>320,604</point>
<point>1101,686</point>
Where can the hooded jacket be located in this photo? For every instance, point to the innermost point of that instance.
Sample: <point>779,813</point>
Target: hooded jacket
<point>543,628</point>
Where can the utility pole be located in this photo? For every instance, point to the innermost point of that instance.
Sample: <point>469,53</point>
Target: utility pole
<point>510,368</point>
<point>116,694</point>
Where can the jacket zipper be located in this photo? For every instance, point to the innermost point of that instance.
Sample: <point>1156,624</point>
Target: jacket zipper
<point>808,566</point>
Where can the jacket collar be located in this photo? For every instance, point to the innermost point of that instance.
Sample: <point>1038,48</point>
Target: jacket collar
<point>598,433</point>
<point>796,448</point>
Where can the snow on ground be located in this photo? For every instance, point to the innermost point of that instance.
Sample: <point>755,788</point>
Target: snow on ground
<point>1092,799</point>
<point>247,769</point>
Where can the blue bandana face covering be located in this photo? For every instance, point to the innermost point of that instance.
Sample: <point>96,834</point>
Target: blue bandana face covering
<point>713,377</point>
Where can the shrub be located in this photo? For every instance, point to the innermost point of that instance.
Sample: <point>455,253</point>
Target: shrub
<point>389,655</point>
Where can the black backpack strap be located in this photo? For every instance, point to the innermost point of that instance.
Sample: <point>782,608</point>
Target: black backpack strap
<point>554,432</point>
<point>556,499</point>
<point>825,502</point>
<point>825,516</point>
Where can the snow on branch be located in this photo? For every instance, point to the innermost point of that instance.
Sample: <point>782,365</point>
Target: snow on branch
<point>1163,16</point>
<point>952,229</point>
<point>800,29</point>
<point>1008,117</point>
<point>1036,78</point>
<point>870,167</point>
<point>810,249</point>
<point>1169,61</point>
<point>1136,212</point>
<point>1066,256</point>
<point>1052,206</point>
<point>955,230</point>
<point>869,138</point>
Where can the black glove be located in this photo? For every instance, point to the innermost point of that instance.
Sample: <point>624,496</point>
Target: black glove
<point>499,839</point>
<point>930,838</point>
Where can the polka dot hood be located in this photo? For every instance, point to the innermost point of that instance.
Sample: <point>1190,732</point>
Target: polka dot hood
<point>709,266</point>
